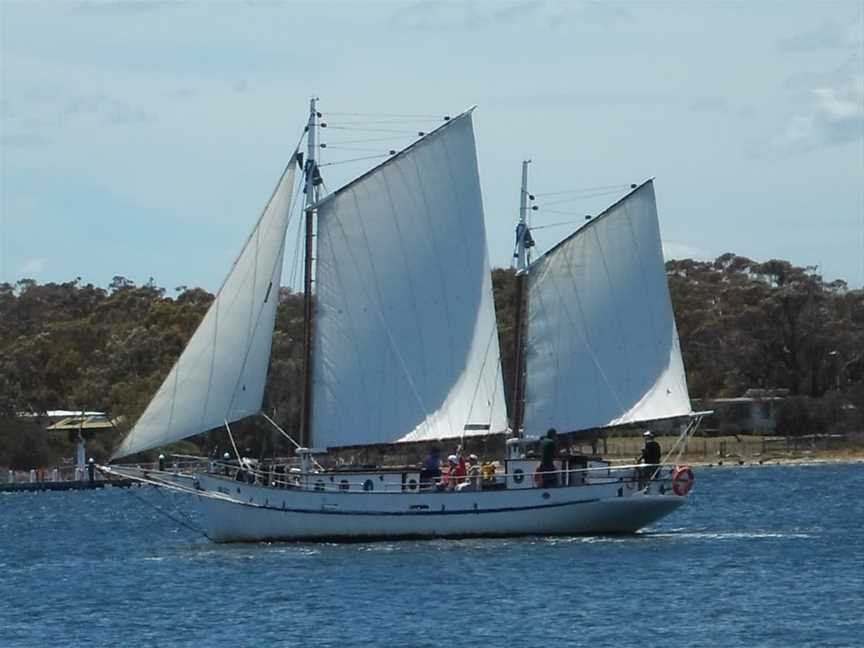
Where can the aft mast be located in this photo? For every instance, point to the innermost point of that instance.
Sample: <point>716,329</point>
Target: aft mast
<point>523,243</point>
<point>310,189</point>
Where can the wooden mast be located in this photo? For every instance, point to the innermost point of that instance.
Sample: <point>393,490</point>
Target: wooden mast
<point>523,242</point>
<point>311,191</point>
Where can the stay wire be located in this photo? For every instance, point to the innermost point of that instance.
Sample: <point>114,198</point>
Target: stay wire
<point>159,509</point>
<point>563,213</point>
<point>367,140</point>
<point>559,224</point>
<point>358,159</point>
<point>360,114</point>
<point>584,190</point>
<point>377,121</point>
<point>351,148</point>
<point>582,197</point>
<point>373,130</point>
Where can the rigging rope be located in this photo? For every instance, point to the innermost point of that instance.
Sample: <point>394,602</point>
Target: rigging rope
<point>374,130</point>
<point>560,213</point>
<point>492,335</point>
<point>367,157</point>
<point>582,197</point>
<point>162,511</point>
<point>365,140</point>
<point>298,252</point>
<point>584,190</point>
<point>570,222</point>
<point>680,443</point>
<point>360,114</point>
<point>377,121</point>
<point>290,438</point>
<point>353,148</point>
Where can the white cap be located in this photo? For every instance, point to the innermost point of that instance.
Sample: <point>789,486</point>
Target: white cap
<point>453,458</point>
<point>472,457</point>
<point>647,433</point>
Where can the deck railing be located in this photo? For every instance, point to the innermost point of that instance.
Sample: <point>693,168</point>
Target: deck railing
<point>288,475</point>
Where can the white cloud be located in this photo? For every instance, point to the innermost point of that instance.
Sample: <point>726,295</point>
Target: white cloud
<point>22,139</point>
<point>32,267</point>
<point>672,250</point>
<point>832,112</point>
<point>531,14</point>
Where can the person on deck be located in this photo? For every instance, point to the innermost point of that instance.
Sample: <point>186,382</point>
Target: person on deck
<point>548,477</point>
<point>430,473</point>
<point>650,457</point>
<point>456,472</point>
<point>475,478</point>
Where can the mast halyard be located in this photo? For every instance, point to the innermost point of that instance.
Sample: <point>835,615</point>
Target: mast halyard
<point>310,189</point>
<point>523,243</point>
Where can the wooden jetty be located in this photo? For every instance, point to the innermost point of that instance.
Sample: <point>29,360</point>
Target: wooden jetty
<point>82,484</point>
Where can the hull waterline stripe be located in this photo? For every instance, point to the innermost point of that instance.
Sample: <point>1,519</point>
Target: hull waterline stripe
<point>508,509</point>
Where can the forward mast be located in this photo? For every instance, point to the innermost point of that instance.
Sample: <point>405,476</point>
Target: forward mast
<point>311,191</point>
<point>523,244</point>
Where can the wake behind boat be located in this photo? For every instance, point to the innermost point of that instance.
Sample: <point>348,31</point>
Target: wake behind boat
<point>401,346</point>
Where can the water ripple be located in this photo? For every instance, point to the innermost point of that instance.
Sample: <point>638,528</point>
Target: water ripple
<point>754,559</point>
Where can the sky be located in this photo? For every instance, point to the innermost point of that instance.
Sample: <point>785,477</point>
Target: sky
<point>142,139</point>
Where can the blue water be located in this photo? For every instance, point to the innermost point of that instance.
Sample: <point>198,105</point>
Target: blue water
<point>770,556</point>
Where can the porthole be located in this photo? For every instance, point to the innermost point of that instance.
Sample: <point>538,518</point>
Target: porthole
<point>368,485</point>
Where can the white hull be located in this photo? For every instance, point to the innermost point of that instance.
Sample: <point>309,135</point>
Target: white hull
<point>250,513</point>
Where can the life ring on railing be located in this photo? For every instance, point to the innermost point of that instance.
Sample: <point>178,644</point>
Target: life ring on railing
<point>682,480</point>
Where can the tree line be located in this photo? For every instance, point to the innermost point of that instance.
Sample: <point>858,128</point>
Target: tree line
<point>742,324</point>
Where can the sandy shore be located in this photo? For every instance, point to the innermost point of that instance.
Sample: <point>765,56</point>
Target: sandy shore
<point>815,458</point>
<point>743,451</point>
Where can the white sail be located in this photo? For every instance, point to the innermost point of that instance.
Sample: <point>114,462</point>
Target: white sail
<point>222,371</point>
<point>406,344</point>
<point>602,347</point>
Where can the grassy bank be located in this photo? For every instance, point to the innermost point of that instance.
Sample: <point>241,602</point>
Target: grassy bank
<point>744,449</point>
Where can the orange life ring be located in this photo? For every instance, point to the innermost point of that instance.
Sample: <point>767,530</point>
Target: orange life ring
<point>682,480</point>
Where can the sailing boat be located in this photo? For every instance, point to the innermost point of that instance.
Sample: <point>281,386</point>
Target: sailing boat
<point>404,348</point>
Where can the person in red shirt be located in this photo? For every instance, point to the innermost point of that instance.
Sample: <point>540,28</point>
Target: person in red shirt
<point>456,471</point>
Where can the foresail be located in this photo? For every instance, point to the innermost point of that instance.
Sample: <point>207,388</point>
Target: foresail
<point>602,346</point>
<point>406,343</point>
<point>222,371</point>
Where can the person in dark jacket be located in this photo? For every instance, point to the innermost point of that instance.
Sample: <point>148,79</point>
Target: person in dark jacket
<point>548,477</point>
<point>430,473</point>
<point>650,457</point>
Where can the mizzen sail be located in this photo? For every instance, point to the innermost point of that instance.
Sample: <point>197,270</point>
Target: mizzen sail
<point>406,343</point>
<point>221,373</point>
<point>602,346</point>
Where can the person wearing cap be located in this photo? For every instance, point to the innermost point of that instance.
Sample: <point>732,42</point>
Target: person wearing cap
<point>650,457</point>
<point>475,479</point>
<point>456,472</point>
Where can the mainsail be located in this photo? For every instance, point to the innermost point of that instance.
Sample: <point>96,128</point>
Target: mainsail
<point>602,346</point>
<point>220,375</point>
<point>406,343</point>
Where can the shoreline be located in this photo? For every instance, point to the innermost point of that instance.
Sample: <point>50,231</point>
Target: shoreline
<point>750,462</point>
